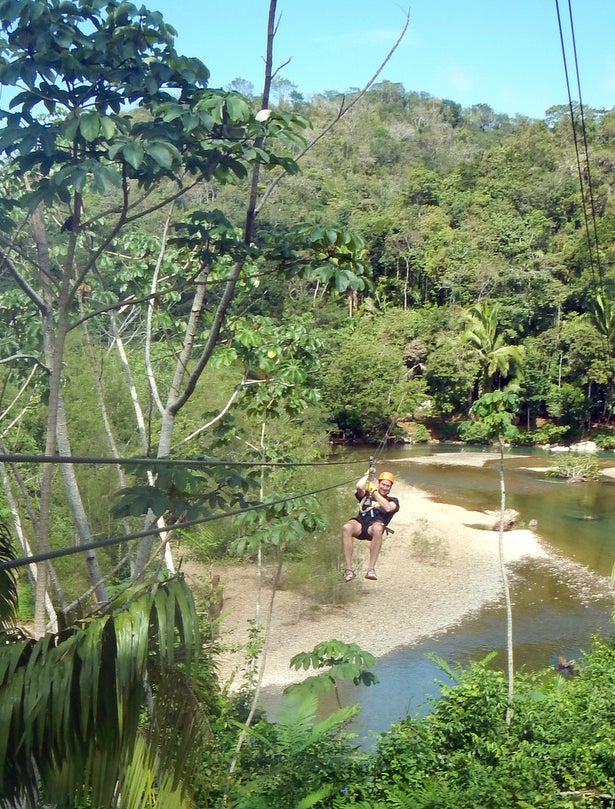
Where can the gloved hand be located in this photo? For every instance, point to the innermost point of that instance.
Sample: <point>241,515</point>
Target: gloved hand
<point>370,487</point>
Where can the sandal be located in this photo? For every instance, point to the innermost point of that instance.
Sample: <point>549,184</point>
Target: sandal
<point>349,574</point>
<point>371,575</point>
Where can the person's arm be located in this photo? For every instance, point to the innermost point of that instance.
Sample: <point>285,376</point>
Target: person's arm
<point>360,486</point>
<point>384,503</point>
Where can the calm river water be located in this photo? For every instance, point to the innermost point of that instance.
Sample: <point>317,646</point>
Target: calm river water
<point>558,602</point>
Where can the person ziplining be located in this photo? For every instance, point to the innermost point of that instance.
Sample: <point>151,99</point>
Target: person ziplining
<point>376,511</point>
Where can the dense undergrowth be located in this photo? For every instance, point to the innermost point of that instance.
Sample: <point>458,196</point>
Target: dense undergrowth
<point>557,753</point>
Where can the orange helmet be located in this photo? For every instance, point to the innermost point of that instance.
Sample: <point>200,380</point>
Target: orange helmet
<point>387,476</point>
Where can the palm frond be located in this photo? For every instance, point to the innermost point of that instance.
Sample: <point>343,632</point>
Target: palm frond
<point>73,707</point>
<point>8,580</point>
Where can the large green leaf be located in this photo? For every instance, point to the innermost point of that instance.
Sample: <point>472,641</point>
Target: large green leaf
<point>237,107</point>
<point>89,125</point>
<point>165,154</point>
<point>133,153</point>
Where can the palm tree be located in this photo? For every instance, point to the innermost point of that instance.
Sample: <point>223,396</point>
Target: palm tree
<point>101,713</point>
<point>602,315</point>
<point>497,359</point>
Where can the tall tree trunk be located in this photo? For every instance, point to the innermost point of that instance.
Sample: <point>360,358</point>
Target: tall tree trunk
<point>52,625</point>
<point>102,406</point>
<point>134,395</point>
<point>509,619</point>
<point>176,390</point>
<point>54,336</point>
<point>142,431</point>
<point>75,502</point>
<point>55,306</point>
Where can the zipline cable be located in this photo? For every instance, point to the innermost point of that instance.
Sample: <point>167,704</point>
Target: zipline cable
<point>110,541</point>
<point>600,297</point>
<point>196,462</point>
<point>590,185</point>
<point>593,262</point>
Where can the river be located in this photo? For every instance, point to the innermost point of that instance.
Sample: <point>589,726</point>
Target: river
<point>558,603</point>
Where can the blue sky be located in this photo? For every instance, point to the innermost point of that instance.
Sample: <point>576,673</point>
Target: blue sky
<point>505,54</point>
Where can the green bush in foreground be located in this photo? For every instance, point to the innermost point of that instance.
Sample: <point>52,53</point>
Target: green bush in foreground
<point>560,748</point>
<point>559,751</point>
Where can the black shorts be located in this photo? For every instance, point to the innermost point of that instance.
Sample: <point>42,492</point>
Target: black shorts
<point>365,521</point>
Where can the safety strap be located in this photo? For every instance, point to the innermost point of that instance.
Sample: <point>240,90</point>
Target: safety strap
<point>367,503</point>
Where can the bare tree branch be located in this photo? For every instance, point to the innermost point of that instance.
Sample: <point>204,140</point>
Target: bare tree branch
<point>344,109</point>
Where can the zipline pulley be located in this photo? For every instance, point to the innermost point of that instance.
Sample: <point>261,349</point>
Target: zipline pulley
<point>368,501</point>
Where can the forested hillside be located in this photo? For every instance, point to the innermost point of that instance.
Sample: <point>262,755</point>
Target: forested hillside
<point>460,207</point>
<point>198,293</point>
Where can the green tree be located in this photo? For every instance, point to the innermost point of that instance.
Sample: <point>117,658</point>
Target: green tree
<point>364,382</point>
<point>535,385</point>
<point>586,372</point>
<point>603,317</point>
<point>450,372</point>
<point>496,411</point>
<point>70,136</point>
<point>498,359</point>
<point>98,141</point>
<point>334,660</point>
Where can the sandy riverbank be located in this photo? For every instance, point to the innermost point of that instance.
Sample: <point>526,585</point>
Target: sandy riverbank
<point>417,595</point>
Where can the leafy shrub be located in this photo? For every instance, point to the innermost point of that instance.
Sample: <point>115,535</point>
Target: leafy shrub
<point>298,760</point>
<point>460,756</point>
<point>575,467</point>
<point>604,438</point>
<point>547,434</point>
<point>475,432</point>
<point>417,432</point>
<point>559,747</point>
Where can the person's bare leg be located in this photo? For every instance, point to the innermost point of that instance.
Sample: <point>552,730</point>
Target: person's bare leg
<point>377,532</point>
<point>350,529</point>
